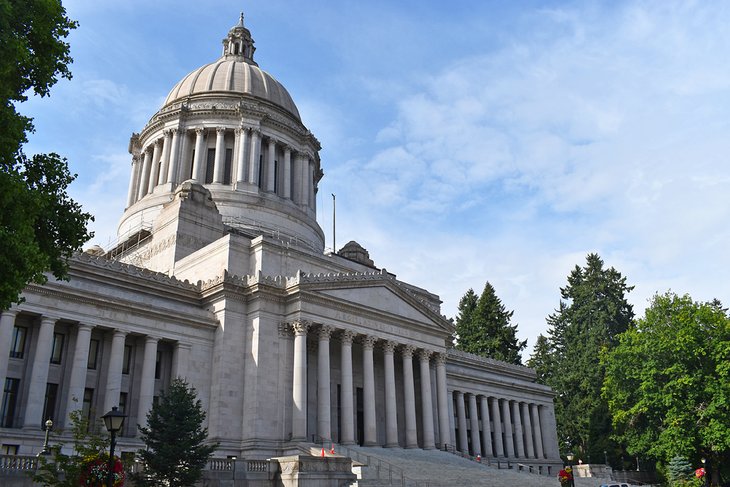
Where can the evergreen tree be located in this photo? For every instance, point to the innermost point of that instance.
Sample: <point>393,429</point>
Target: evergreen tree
<point>541,359</point>
<point>592,312</point>
<point>483,327</point>
<point>176,452</point>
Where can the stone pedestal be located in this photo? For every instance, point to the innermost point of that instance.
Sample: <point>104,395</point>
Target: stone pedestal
<point>309,471</point>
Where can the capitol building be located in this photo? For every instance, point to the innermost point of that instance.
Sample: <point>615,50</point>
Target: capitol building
<point>220,276</point>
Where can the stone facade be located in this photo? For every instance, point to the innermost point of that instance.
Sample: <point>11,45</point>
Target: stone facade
<point>219,277</point>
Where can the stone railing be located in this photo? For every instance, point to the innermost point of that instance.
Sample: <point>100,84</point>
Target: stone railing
<point>17,463</point>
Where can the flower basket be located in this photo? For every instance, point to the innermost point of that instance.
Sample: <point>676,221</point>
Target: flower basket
<point>96,470</point>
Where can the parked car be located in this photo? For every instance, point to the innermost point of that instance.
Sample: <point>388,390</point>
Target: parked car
<point>615,485</point>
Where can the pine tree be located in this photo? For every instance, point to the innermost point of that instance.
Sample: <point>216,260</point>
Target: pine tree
<point>176,451</point>
<point>483,327</point>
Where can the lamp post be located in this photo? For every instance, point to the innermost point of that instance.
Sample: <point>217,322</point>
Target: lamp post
<point>46,450</point>
<point>113,420</point>
<point>704,468</point>
<point>570,456</point>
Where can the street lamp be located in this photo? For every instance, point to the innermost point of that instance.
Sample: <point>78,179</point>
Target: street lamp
<point>570,456</point>
<point>704,477</point>
<point>46,450</point>
<point>113,420</point>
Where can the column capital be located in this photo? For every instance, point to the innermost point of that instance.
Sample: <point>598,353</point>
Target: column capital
<point>440,358</point>
<point>199,130</point>
<point>407,351</point>
<point>287,148</point>
<point>175,130</point>
<point>425,355</point>
<point>347,336</point>
<point>388,346</point>
<point>325,332</point>
<point>10,313</point>
<point>220,130</point>
<point>368,342</point>
<point>300,327</point>
<point>151,339</point>
<point>85,326</point>
<point>119,333</point>
<point>240,130</point>
<point>51,319</point>
<point>167,133</point>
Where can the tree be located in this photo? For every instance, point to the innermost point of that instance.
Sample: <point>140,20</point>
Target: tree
<point>175,438</point>
<point>541,358</point>
<point>40,225</point>
<point>668,382</point>
<point>591,314</point>
<point>483,327</point>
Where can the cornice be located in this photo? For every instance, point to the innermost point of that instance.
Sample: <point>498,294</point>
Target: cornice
<point>470,358</point>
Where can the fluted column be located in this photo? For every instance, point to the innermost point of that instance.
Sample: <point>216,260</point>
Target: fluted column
<point>426,401</point>
<point>391,418</point>
<point>537,430</point>
<point>240,155</point>
<point>527,428</point>
<point>287,172</point>
<point>347,421</point>
<point>310,182</point>
<point>509,444</point>
<point>409,397</point>
<point>497,421</point>
<point>39,375</point>
<point>7,324</point>
<point>174,162</point>
<point>165,163</point>
<point>144,177</point>
<point>474,419</point>
<point>305,180</point>
<point>79,365</point>
<point>271,166</point>
<point>443,401</point>
<point>487,449</point>
<point>154,166</point>
<point>299,389</point>
<point>368,389</point>
<point>519,443</point>
<point>133,180</point>
<point>114,371</point>
<point>253,158</point>
<point>324,422</point>
<point>220,155</point>
<point>461,419</point>
<point>147,382</point>
<point>199,160</point>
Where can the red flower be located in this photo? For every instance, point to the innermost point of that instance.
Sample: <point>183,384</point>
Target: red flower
<point>700,472</point>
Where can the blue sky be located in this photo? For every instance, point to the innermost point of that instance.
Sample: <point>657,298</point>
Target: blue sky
<point>466,141</point>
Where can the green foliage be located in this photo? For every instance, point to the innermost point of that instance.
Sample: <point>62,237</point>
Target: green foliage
<point>176,452</point>
<point>483,327</point>
<point>668,381</point>
<point>65,470</point>
<point>40,225</point>
<point>593,311</point>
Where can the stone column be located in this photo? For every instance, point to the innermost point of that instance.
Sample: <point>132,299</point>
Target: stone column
<point>180,358</point>
<point>311,202</point>
<point>487,449</point>
<point>165,163</point>
<point>497,421</point>
<point>240,155</point>
<point>306,184</point>
<point>154,167</point>
<point>527,429</point>
<point>199,165</point>
<point>270,166</point>
<point>347,421</point>
<point>174,164</point>
<point>147,381</point>
<point>79,365</point>
<point>537,431</point>
<point>509,443</point>
<point>476,445</point>
<point>220,155</point>
<point>324,422</point>
<point>253,158</point>
<point>391,417</point>
<point>549,432</point>
<point>299,389</point>
<point>39,375</point>
<point>443,399</point>
<point>519,444</point>
<point>409,397</point>
<point>144,179</point>
<point>287,173</point>
<point>461,418</point>
<point>7,325</point>
<point>368,389</point>
<point>426,401</point>
<point>114,371</point>
<point>133,180</point>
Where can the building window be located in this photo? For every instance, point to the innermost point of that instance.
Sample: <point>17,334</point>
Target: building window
<point>158,365</point>
<point>123,402</point>
<point>10,401</point>
<point>9,449</point>
<point>93,354</point>
<point>210,166</point>
<point>86,407</point>
<point>227,167</point>
<point>17,347</point>
<point>49,404</point>
<point>127,360</point>
<point>57,348</point>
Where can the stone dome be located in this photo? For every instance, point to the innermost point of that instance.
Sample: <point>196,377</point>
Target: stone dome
<point>236,75</point>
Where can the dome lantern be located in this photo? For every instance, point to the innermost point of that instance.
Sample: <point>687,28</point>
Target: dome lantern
<point>238,44</point>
